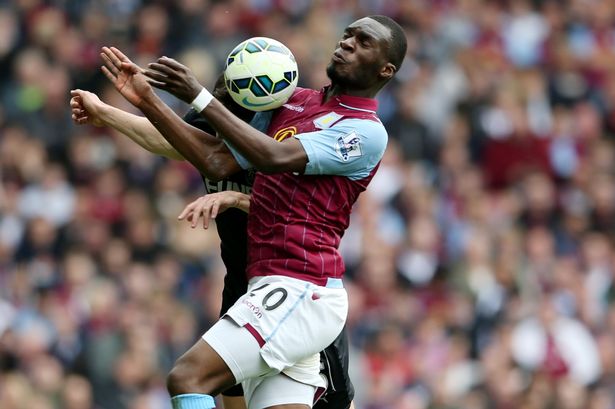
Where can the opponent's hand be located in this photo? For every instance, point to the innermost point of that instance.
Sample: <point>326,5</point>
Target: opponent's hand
<point>86,108</point>
<point>126,76</point>
<point>173,77</point>
<point>208,207</point>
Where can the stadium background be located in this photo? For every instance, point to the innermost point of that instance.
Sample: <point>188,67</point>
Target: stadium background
<point>480,262</point>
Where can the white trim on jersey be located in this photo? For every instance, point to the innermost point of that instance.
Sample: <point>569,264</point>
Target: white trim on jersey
<point>357,109</point>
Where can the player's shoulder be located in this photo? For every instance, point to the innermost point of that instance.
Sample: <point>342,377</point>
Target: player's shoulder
<point>300,95</point>
<point>367,127</point>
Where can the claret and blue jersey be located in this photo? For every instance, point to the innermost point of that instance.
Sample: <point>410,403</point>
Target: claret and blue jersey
<point>297,220</point>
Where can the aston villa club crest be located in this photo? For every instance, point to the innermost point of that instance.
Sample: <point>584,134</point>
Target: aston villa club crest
<point>348,146</point>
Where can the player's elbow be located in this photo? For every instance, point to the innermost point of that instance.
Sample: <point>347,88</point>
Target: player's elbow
<point>215,168</point>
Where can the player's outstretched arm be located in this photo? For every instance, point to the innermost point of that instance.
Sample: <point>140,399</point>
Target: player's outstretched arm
<point>262,151</point>
<point>211,205</point>
<point>206,152</point>
<point>87,108</point>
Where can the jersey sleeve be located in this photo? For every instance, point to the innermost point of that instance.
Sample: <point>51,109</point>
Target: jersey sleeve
<point>261,122</point>
<point>351,148</point>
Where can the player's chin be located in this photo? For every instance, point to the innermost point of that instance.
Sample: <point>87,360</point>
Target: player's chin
<point>334,72</point>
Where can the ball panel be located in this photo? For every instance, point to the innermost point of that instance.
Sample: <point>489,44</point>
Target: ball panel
<point>265,82</point>
<point>280,85</point>
<point>261,74</point>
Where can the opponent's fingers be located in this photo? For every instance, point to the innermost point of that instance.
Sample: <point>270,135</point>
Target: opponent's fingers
<point>78,111</point>
<point>81,120</point>
<point>215,208</point>
<point>187,210</point>
<point>196,216</point>
<point>77,93</point>
<point>207,214</point>
<point>108,74</point>
<point>170,62</point>
<point>75,103</point>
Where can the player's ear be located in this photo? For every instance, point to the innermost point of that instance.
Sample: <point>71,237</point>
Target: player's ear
<point>387,71</point>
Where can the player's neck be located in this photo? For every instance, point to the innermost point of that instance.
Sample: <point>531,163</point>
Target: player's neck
<point>336,89</point>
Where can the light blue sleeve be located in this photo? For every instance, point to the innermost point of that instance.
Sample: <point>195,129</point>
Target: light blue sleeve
<point>261,122</point>
<point>351,148</point>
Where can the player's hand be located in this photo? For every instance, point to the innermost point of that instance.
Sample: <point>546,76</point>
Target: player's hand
<point>126,76</point>
<point>208,207</point>
<point>173,77</point>
<point>86,108</point>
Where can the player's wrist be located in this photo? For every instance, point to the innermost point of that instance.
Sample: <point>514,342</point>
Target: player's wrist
<point>149,99</point>
<point>202,100</point>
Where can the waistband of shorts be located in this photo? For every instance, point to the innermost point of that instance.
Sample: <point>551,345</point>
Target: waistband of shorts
<point>331,282</point>
<point>334,283</point>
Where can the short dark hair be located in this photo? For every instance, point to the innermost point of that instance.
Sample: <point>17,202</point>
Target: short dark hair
<point>398,46</point>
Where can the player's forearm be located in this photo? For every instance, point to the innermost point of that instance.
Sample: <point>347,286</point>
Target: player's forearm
<point>263,152</point>
<point>140,130</point>
<point>204,151</point>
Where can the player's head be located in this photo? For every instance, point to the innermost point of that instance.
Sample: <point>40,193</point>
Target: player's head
<point>369,54</point>
<point>221,94</point>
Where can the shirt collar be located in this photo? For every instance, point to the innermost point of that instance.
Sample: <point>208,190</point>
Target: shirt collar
<point>351,102</point>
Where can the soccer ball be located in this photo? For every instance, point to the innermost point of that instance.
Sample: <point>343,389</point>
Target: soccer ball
<point>261,74</point>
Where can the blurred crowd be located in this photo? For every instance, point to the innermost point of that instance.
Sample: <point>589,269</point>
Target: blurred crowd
<point>481,261</point>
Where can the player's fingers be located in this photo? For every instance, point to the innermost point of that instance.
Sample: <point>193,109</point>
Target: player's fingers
<point>120,55</point>
<point>156,84</point>
<point>115,69</point>
<point>108,74</point>
<point>130,67</point>
<point>113,58</point>
<point>163,69</point>
<point>156,76</point>
<point>170,62</point>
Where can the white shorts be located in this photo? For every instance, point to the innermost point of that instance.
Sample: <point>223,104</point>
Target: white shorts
<point>291,320</point>
<point>263,386</point>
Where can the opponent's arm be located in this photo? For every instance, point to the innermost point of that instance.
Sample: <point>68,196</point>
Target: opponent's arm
<point>87,108</point>
<point>211,205</point>
<point>206,152</point>
<point>266,154</point>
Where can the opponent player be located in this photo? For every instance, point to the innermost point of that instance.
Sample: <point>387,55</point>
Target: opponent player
<point>295,303</point>
<point>220,179</point>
